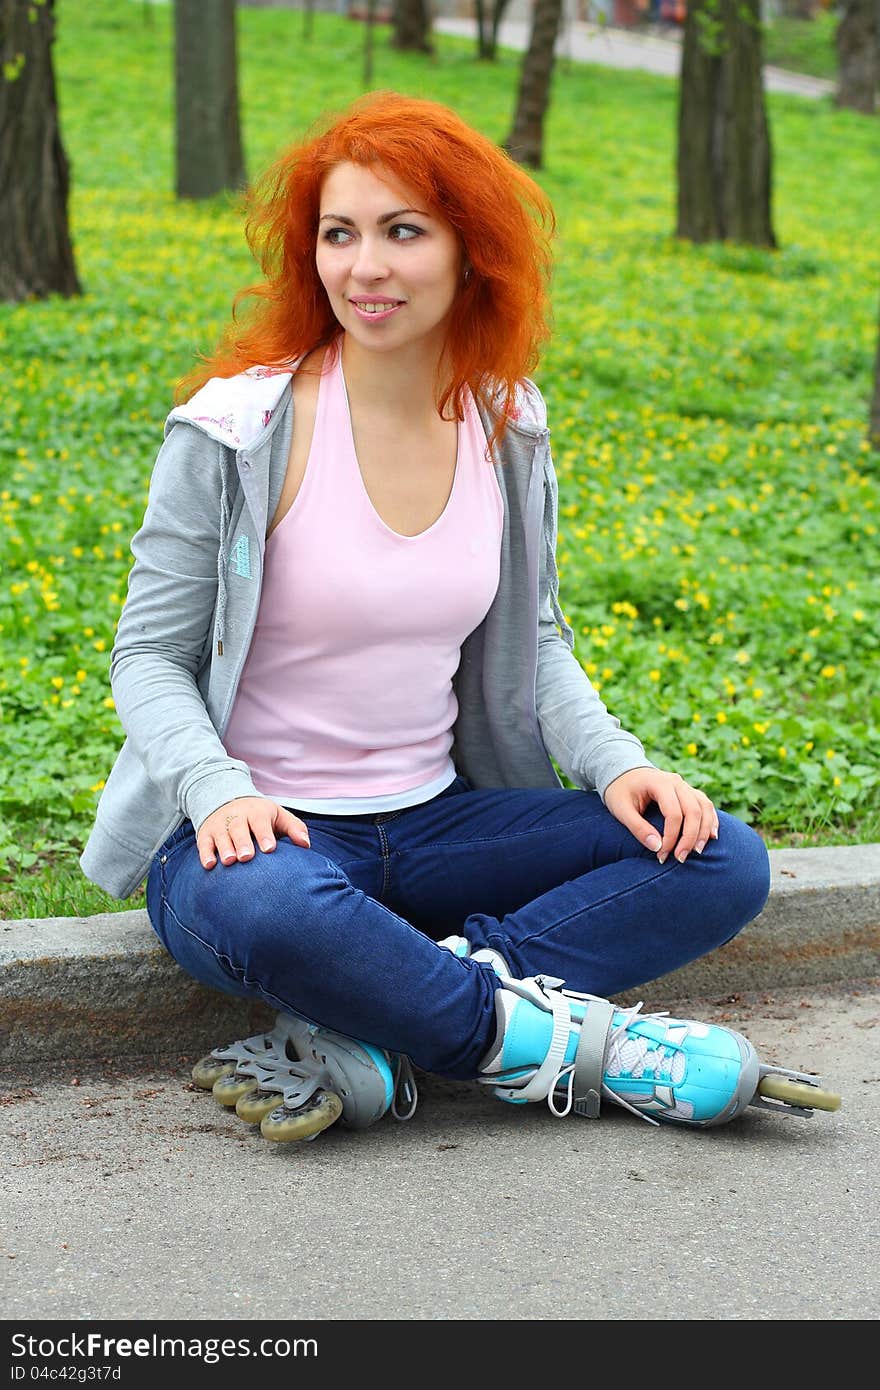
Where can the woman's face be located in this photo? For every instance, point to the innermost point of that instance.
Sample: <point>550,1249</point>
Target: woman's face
<point>391,268</point>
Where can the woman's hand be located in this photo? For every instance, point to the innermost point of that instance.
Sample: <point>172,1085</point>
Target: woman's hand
<point>229,832</point>
<point>689,818</point>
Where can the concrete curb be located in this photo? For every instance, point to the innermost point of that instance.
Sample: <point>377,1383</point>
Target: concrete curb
<point>80,987</point>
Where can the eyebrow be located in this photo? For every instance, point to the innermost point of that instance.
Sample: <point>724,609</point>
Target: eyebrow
<point>380,221</point>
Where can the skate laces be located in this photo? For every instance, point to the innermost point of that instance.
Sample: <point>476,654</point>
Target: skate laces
<point>636,1056</point>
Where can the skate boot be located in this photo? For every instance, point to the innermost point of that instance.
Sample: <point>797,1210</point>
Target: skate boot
<point>299,1078</point>
<point>574,1050</point>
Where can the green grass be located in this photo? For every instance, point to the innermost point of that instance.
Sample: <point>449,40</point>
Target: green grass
<point>718,504</point>
<point>802,45</point>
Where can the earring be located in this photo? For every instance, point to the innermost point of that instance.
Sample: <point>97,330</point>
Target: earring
<point>468,272</point>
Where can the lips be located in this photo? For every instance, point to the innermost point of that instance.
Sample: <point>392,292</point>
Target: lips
<point>375,309</point>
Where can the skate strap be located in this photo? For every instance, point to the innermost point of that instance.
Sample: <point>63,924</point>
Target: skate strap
<point>589,1059</point>
<point>406,1092</point>
<point>544,1079</point>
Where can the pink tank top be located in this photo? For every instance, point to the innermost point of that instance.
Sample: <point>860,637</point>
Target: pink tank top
<point>346,701</point>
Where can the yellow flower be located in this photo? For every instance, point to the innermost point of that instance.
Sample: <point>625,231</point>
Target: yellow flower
<point>691,748</point>
<point>721,717</point>
<point>828,672</point>
<point>783,752</point>
<point>654,675</point>
<point>829,753</point>
<point>57,681</point>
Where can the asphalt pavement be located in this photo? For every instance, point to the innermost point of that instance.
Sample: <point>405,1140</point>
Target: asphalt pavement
<point>130,1194</point>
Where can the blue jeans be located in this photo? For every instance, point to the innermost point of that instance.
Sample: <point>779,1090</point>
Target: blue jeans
<point>344,933</point>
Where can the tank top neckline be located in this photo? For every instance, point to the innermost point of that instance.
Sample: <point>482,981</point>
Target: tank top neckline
<point>398,535</point>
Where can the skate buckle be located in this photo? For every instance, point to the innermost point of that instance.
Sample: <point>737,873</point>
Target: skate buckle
<point>587,1105</point>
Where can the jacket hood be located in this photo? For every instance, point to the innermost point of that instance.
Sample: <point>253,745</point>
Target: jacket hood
<point>235,410</point>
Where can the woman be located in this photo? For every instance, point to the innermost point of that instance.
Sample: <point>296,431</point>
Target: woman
<point>344,674</point>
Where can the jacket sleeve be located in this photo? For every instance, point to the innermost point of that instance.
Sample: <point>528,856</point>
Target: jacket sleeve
<point>587,742</point>
<point>164,636</point>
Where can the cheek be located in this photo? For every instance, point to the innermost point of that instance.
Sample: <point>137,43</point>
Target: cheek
<point>328,271</point>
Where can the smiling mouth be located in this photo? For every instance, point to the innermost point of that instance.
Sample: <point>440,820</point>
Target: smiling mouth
<point>374,308</point>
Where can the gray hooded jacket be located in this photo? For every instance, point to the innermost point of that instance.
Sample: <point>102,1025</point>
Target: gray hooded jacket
<point>193,595</point>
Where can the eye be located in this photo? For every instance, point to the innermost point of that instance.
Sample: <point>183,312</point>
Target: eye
<point>336,236</point>
<point>400,231</point>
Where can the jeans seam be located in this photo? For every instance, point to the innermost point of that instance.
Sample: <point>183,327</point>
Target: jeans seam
<point>386,861</point>
<point>663,870</point>
<point>239,975</point>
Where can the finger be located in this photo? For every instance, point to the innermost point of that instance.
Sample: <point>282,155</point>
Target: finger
<point>240,834</point>
<point>642,829</point>
<point>692,823</point>
<point>708,823</point>
<point>286,823</point>
<point>207,849</point>
<point>671,811</point>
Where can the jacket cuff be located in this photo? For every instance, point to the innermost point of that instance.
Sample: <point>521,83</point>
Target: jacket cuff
<point>214,789</point>
<point>615,764</point>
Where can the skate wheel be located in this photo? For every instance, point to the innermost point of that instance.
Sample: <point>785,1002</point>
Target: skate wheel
<point>255,1104</point>
<point>227,1089</point>
<point>798,1093</point>
<point>209,1070</point>
<point>283,1126</point>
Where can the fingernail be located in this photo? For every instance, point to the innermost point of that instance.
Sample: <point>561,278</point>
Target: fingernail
<point>700,846</point>
<point>662,858</point>
<point>653,842</point>
<point>209,863</point>
<point>681,856</point>
<point>266,845</point>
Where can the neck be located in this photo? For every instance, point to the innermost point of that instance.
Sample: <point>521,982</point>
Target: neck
<point>404,383</point>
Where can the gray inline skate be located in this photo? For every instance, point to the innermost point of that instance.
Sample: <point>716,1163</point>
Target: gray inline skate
<point>299,1079</point>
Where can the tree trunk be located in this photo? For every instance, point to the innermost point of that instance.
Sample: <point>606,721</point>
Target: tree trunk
<point>411,21</point>
<point>526,140</point>
<point>488,24</point>
<point>209,153</point>
<point>799,9</point>
<point>36,254</point>
<point>857,39</point>
<point>874,417</point>
<point>724,154</point>
<point>369,45</point>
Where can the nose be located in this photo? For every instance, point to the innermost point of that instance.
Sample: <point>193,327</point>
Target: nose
<point>369,263</point>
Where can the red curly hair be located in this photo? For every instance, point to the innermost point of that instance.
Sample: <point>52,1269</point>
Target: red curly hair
<point>505,222</point>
